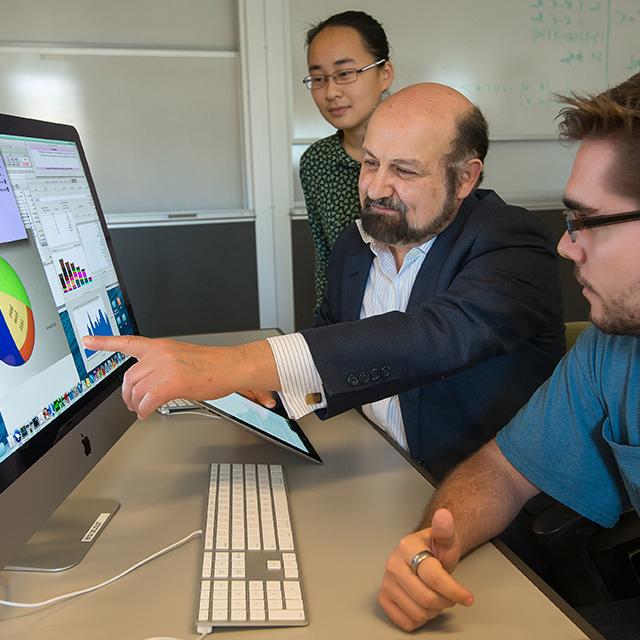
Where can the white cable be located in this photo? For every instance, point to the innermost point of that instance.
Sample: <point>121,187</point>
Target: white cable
<point>204,635</point>
<point>67,596</point>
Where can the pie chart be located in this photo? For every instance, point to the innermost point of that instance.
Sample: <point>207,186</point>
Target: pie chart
<point>17,327</point>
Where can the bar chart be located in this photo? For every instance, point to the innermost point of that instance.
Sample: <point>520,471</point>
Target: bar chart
<point>71,270</point>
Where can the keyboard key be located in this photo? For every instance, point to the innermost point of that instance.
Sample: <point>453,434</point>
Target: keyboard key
<point>286,614</point>
<point>238,586</point>
<point>289,560</point>
<point>292,590</point>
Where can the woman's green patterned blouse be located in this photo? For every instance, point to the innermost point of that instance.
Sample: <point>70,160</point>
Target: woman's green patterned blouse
<point>329,179</point>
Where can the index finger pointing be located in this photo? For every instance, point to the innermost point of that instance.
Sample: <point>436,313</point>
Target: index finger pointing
<point>135,346</point>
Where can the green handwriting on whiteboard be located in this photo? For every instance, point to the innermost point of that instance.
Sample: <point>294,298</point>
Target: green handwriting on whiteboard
<point>575,32</point>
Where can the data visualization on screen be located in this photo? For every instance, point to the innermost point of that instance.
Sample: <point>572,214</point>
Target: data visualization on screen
<point>57,284</point>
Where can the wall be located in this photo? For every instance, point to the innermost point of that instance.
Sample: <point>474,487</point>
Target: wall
<point>176,291</point>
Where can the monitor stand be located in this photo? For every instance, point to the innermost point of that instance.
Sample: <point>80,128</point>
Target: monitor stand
<point>66,537</point>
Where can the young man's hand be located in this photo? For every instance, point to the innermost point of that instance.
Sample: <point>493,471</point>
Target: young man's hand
<point>411,600</point>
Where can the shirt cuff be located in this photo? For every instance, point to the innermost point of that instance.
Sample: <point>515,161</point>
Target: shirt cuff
<point>299,378</point>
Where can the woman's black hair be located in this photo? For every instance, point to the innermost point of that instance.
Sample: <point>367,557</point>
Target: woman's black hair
<point>370,30</point>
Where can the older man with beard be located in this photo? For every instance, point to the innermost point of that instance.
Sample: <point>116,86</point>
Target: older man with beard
<point>443,310</point>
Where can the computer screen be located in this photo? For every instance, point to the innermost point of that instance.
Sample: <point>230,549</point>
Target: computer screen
<point>58,282</point>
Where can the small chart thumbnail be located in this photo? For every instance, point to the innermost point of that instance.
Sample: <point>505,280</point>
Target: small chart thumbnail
<point>71,269</point>
<point>91,319</point>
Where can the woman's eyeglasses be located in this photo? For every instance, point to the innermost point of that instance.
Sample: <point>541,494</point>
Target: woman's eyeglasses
<point>343,76</point>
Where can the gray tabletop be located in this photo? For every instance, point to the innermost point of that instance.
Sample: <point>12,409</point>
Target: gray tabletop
<point>348,515</point>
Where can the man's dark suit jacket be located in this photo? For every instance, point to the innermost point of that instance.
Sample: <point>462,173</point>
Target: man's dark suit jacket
<point>482,330</point>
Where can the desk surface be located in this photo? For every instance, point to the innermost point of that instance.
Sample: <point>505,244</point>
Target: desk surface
<point>348,515</point>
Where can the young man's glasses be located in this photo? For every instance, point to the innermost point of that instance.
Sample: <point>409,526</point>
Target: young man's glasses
<point>575,222</point>
<point>343,76</point>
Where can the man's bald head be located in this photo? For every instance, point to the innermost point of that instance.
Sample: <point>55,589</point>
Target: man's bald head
<point>444,117</point>
<point>426,102</point>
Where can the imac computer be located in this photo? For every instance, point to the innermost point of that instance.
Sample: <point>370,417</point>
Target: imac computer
<point>60,403</point>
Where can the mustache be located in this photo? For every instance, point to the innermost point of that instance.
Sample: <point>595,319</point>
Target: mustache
<point>385,203</point>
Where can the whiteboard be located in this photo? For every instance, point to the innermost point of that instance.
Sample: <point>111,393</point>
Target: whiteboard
<point>507,56</point>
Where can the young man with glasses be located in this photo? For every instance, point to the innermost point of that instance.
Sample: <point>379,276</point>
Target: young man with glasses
<point>578,438</point>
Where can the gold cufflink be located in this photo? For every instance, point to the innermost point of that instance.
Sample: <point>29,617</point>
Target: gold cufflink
<point>313,398</point>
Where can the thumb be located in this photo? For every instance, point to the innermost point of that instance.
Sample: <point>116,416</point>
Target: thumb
<point>444,541</point>
<point>264,398</point>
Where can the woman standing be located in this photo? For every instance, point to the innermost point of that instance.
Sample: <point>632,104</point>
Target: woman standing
<point>349,72</point>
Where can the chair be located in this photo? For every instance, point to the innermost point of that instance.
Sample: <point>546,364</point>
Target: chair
<point>573,330</point>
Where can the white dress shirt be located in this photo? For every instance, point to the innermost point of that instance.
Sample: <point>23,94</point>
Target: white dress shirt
<point>387,289</point>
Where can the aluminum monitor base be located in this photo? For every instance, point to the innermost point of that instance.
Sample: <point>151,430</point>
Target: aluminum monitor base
<point>66,537</point>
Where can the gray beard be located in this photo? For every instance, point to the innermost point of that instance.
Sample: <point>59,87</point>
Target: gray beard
<point>396,230</point>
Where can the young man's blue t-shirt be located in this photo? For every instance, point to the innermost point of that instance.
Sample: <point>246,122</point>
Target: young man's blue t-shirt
<point>578,438</point>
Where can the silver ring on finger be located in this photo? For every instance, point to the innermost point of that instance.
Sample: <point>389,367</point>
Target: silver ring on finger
<point>418,558</point>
